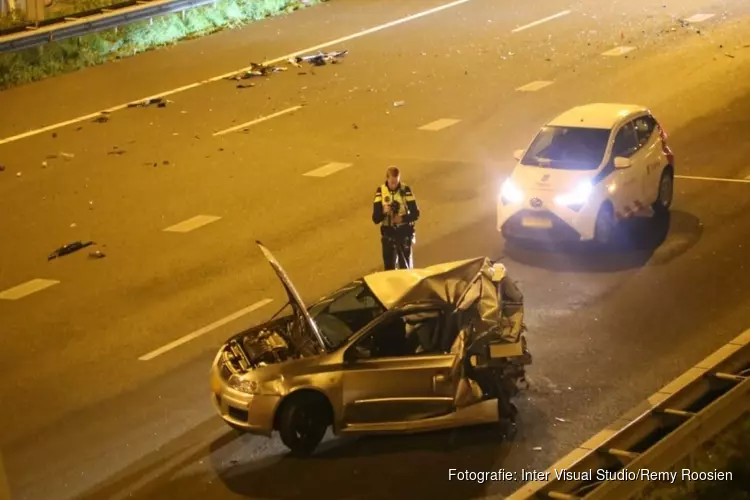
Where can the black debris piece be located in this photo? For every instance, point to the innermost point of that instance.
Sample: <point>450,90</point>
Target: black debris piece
<point>69,248</point>
<point>101,118</point>
<point>2,168</point>
<point>245,85</point>
<point>257,70</point>
<point>355,126</point>
<point>97,255</point>
<point>165,162</point>
<point>321,58</point>
<point>118,152</point>
<point>160,102</point>
<point>54,135</point>
<point>79,129</point>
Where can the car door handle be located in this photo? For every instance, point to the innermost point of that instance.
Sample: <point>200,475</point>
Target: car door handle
<point>439,379</point>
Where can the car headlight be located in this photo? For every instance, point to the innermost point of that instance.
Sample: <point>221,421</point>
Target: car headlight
<point>237,383</point>
<point>576,198</point>
<point>510,193</point>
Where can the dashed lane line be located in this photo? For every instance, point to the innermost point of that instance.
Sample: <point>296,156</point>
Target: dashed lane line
<point>262,119</point>
<point>439,124</point>
<point>314,48</point>
<point>326,170</point>
<point>746,180</point>
<point>699,18</point>
<point>534,86</point>
<point>25,289</point>
<point>541,21</point>
<point>192,224</point>
<point>618,51</point>
<point>206,329</point>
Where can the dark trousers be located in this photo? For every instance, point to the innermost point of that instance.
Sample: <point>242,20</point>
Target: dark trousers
<point>397,251</point>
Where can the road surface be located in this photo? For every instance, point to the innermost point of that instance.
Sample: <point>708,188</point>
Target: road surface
<point>94,408</point>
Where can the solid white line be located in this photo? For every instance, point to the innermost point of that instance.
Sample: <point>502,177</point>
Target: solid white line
<point>206,329</point>
<point>439,124</point>
<point>314,48</point>
<point>716,179</point>
<point>327,170</point>
<point>24,289</point>
<point>192,223</point>
<point>618,51</point>
<point>541,21</point>
<point>534,86</point>
<point>257,120</point>
<point>699,18</point>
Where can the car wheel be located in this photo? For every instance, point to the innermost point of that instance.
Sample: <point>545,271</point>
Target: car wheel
<point>666,193</point>
<point>606,225</point>
<point>302,424</point>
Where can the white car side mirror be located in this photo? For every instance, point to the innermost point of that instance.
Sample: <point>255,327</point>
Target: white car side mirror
<point>621,162</point>
<point>518,154</point>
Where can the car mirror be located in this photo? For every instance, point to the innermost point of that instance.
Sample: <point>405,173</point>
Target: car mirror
<point>621,162</point>
<point>518,154</point>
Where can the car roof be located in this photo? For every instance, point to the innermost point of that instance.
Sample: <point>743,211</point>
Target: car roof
<point>597,115</point>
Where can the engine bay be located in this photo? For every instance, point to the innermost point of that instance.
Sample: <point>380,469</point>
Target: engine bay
<point>255,350</point>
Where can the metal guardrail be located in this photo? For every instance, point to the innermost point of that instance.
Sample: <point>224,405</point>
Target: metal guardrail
<point>656,434</point>
<point>92,21</point>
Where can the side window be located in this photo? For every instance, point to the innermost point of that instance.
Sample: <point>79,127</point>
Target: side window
<point>644,129</point>
<point>625,142</point>
<point>408,334</point>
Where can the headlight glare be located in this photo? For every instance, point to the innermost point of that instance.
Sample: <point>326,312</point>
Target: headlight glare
<point>577,197</point>
<point>510,193</point>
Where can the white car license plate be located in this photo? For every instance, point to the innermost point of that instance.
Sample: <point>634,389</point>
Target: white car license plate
<point>536,222</point>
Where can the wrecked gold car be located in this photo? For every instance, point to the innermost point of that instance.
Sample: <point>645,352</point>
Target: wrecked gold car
<point>396,351</point>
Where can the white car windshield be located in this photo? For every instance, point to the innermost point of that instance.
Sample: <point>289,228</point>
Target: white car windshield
<point>345,312</point>
<point>568,148</point>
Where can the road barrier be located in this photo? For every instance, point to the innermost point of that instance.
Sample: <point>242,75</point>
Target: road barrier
<point>656,434</point>
<point>93,21</point>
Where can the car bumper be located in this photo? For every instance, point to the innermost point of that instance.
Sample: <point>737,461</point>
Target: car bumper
<point>555,224</point>
<point>253,413</point>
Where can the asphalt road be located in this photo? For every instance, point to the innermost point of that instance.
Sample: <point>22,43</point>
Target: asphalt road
<point>83,417</point>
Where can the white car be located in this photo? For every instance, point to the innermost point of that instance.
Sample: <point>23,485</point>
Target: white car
<point>586,170</point>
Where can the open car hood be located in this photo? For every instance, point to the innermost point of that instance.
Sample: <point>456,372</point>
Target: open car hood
<point>294,298</point>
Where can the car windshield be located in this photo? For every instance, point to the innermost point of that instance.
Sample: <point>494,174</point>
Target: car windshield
<point>345,312</point>
<point>568,148</point>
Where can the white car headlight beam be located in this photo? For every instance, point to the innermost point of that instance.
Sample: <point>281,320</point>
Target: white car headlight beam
<point>578,197</point>
<point>510,193</point>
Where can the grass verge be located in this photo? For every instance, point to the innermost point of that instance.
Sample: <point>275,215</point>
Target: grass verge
<point>56,58</point>
<point>727,452</point>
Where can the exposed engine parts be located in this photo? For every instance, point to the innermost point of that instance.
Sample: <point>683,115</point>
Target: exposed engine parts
<point>267,348</point>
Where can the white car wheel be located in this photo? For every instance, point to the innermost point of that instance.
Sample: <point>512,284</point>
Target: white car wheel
<point>606,224</point>
<point>666,192</point>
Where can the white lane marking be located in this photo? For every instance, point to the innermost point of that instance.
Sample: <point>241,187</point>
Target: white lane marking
<point>314,48</point>
<point>206,329</point>
<point>192,223</point>
<point>327,170</point>
<point>257,120</point>
<point>541,21</point>
<point>24,289</point>
<point>534,86</point>
<point>439,124</point>
<point>716,179</point>
<point>699,18</point>
<point>618,51</point>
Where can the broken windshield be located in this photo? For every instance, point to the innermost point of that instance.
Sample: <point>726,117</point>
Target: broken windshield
<point>568,148</point>
<point>345,312</point>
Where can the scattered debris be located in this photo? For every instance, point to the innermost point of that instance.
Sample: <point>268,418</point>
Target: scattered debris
<point>321,58</point>
<point>257,70</point>
<point>159,101</point>
<point>54,135</point>
<point>91,205</point>
<point>2,168</point>
<point>560,419</point>
<point>44,164</point>
<point>18,174</point>
<point>67,156</point>
<point>116,151</point>
<point>729,55</point>
<point>102,118</point>
<point>537,448</point>
<point>97,255</point>
<point>79,129</point>
<point>398,104</point>
<point>69,248</point>
<point>245,85</point>
<point>355,126</point>
<point>73,225</point>
<point>165,162</point>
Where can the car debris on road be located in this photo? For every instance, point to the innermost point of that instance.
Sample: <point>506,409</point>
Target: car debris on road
<point>319,59</point>
<point>257,70</point>
<point>160,102</point>
<point>69,248</point>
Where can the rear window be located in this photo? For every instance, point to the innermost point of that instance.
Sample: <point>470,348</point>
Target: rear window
<point>568,148</point>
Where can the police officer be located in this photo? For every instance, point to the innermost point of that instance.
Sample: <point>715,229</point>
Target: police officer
<point>396,210</point>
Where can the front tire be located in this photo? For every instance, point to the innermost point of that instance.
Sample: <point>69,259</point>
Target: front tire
<point>302,424</point>
<point>606,225</point>
<point>665,193</point>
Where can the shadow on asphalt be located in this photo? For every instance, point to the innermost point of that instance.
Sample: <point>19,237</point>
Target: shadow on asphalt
<point>640,241</point>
